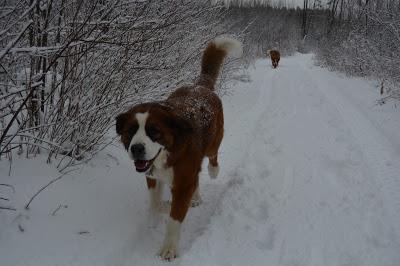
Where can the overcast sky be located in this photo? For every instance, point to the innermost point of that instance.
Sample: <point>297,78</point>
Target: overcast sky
<point>296,2</point>
<point>289,3</point>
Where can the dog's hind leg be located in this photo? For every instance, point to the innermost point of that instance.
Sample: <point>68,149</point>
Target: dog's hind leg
<point>212,150</point>
<point>213,167</point>
<point>196,199</point>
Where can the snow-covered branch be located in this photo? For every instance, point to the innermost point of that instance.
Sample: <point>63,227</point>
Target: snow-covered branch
<point>69,69</point>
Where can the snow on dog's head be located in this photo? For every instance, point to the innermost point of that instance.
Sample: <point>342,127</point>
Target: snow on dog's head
<point>147,130</point>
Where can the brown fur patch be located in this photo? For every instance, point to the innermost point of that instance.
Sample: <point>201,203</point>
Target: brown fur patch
<point>151,183</point>
<point>275,57</point>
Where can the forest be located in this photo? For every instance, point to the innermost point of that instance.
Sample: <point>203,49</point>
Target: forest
<point>68,67</point>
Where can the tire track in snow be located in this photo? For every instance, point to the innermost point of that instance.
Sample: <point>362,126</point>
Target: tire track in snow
<point>381,157</point>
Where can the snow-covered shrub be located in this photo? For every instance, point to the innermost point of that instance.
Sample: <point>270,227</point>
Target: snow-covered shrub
<point>364,40</point>
<point>68,67</point>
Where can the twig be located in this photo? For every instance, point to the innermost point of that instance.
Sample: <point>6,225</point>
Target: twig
<point>7,208</point>
<point>21,229</point>
<point>43,188</point>
<point>58,208</point>
<point>15,40</point>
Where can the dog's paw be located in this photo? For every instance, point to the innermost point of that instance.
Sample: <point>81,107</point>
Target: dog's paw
<point>195,202</point>
<point>213,171</point>
<point>168,252</point>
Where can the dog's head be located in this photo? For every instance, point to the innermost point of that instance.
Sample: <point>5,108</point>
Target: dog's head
<point>148,129</point>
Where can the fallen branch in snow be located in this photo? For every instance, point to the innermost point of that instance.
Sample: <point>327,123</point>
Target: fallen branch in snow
<point>43,188</point>
<point>53,213</point>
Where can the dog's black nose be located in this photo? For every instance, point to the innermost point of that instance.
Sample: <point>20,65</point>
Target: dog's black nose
<point>137,151</point>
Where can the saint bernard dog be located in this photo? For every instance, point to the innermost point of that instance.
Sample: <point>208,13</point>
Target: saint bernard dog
<point>168,140</point>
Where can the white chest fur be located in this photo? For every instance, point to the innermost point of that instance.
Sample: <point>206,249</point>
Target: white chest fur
<point>159,171</point>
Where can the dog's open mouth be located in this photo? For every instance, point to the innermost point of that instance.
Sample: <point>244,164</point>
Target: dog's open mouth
<point>144,165</point>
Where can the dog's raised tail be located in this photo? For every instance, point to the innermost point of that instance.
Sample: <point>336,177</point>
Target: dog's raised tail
<point>213,57</point>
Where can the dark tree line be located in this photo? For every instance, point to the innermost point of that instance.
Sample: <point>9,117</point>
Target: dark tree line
<point>363,38</point>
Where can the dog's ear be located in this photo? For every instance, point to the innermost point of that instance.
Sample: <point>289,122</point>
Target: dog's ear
<point>120,122</point>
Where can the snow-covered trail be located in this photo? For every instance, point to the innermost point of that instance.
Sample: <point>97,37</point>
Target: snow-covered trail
<point>310,175</point>
<point>319,181</point>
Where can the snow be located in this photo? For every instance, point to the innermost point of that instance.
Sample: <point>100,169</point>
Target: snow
<point>310,175</point>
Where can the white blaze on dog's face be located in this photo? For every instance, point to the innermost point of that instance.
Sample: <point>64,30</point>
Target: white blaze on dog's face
<point>151,147</point>
<point>144,148</point>
<point>142,137</point>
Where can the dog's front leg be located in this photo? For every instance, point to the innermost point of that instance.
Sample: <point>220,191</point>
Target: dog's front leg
<point>155,191</point>
<point>181,198</point>
<point>156,206</point>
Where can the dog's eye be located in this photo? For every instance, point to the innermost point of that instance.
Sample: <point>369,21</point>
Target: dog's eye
<point>153,132</point>
<point>132,130</point>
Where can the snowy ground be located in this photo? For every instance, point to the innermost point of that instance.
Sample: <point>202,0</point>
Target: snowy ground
<point>310,175</point>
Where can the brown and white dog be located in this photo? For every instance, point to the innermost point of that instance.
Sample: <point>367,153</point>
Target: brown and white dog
<point>275,57</point>
<point>168,140</point>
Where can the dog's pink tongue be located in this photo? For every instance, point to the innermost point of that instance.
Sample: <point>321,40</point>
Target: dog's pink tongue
<point>139,164</point>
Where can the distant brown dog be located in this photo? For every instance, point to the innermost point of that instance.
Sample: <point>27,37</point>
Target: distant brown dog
<point>275,57</point>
